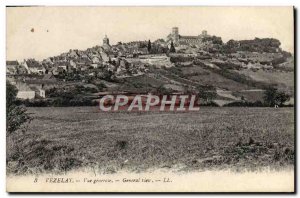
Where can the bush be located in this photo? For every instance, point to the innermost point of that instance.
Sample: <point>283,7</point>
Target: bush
<point>176,59</point>
<point>35,103</point>
<point>75,101</point>
<point>245,104</point>
<point>209,104</point>
<point>161,90</point>
<point>207,92</point>
<point>16,116</point>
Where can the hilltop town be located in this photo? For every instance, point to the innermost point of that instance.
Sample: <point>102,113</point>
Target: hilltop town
<point>237,70</point>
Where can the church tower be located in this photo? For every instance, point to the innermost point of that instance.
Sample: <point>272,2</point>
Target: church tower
<point>106,40</point>
<point>175,35</point>
<point>106,45</point>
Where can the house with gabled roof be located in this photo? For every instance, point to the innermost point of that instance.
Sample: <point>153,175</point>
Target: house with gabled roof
<point>34,67</point>
<point>11,67</point>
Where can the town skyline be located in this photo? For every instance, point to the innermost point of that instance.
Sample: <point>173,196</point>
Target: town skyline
<point>50,32</point>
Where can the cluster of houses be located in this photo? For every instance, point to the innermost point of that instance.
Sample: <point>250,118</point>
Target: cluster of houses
<point>32,88</point>
<point>33,77</point>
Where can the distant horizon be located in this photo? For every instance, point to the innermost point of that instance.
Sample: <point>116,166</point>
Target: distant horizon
<point>59,29</point>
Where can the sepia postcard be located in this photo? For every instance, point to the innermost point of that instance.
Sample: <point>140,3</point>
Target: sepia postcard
<point>150,99</point>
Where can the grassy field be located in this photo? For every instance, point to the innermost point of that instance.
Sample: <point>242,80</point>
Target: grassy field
<point>61,139</point>
<point>205,76</point>
<point>284,80</point>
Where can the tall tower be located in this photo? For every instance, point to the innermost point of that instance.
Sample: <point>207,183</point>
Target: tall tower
<point>106,45</point>
<point>106,40</point>
<point>175,35</point>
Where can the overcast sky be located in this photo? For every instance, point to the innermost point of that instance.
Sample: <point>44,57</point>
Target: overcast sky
<point>58,29</point>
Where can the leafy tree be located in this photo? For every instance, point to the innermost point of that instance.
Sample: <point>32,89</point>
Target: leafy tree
<point>207,92</point>
<point>16,116</point>
<point>149,46</point>
<point>161,90</point>
<point>107,75</point>
<point>158,49</point>
<point>272,97</point>
<point>217,40</point>
<point>172,48</point>
<point>213,39</point>
<point>232,44</point>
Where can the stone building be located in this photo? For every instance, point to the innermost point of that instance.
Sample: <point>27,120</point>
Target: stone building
<point>180,40</point>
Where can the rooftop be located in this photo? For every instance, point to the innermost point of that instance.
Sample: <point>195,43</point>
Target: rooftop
<point>12,63</point>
